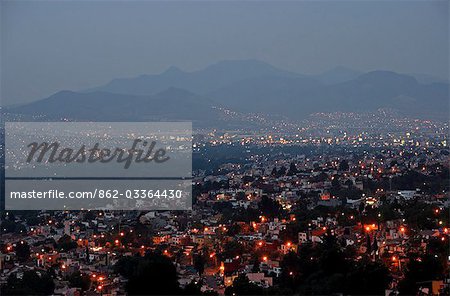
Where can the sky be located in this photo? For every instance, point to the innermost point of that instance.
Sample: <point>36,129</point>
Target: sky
<point>48,46</point>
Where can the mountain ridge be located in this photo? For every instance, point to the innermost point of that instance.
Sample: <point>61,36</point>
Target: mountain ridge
<point>248,86</point>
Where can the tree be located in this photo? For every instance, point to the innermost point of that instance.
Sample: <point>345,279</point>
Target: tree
<point>269,207</point>
<point>420,269</point>
<point>66,243</point>
<point>292,230</point>
<point>368,278</point>
<point>125,266</point>
<point>274,172</point>
<point>10,225</point>
<point>325,269</point>
<point>79,280</point>
<point>255,262</point>
<point>368,244</point>
<point>233,229</point>
<point>152,274</point>
<point>199,263</point>
<point>343,165</point>
<point>23,251</point>
<point>292,169</point>
<point>349,184</point>
<point>242,286</point>
<point>31,284</point>
<point>193,288</point>
<point>335,182</point>
<point>291,270</point>
<point>232,249</point>
<point>281,171</point>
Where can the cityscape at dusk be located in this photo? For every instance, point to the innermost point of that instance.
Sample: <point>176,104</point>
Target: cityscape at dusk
<point>277,148</point>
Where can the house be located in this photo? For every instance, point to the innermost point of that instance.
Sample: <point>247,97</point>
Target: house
<point>260,279</point>
<point>302,237</point>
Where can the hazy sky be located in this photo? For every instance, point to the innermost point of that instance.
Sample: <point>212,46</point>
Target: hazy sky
<point>50,46</point>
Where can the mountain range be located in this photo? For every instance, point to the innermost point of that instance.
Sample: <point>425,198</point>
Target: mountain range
<point>246,86</point>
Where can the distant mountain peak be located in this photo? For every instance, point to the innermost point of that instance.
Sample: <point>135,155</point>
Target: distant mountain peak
<point>338,74</point>
<point>428,79</point>
<point>175,91</point>
<point>340,68</point>
<point>246,65</point>
<point>64,92</point>
<point>173,70</point>
<point>385,76</point>
<point>242,62</point>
